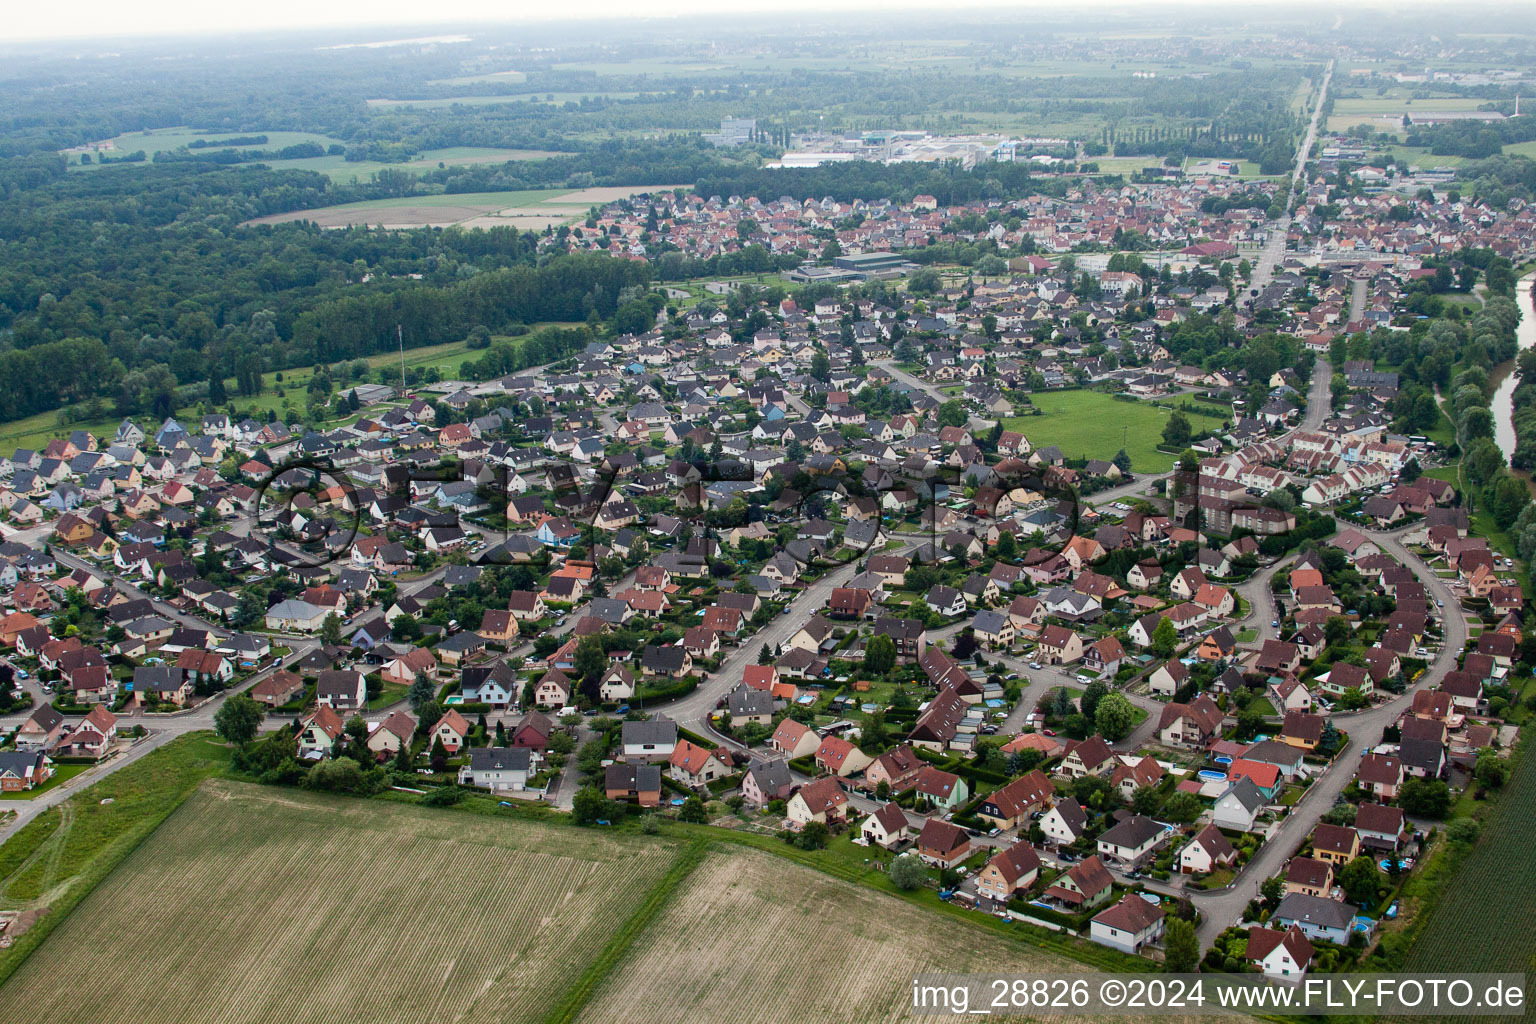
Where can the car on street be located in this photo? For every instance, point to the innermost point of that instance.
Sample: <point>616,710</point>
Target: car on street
<point>1035,665</point>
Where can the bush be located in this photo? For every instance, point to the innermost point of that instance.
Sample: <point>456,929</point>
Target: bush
<point>907,872</point>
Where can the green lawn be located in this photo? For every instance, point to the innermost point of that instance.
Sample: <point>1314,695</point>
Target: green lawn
<point>1091,424</point>
<point>392,693</point>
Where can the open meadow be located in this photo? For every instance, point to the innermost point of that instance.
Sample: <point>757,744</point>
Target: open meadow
<point>1095,425</point>
<point>278,905</point>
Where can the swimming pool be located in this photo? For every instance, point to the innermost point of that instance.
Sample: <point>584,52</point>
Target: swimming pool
<point>1223,759</point>
<point>1211,775</point>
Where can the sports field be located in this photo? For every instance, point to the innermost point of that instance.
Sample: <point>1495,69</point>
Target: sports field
<point>255,904</point>
<point>1091,424</point>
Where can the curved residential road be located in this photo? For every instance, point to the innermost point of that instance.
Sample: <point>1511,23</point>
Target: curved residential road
<point>1223,908</point>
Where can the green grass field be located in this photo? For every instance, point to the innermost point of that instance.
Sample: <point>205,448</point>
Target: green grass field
<point>165,139</point>
<point>1094,425</point>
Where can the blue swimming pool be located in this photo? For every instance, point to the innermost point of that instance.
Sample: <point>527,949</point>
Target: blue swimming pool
<point>1211,775</point>
<point>1223,759</point>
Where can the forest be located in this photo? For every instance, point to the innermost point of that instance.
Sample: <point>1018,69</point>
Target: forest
<point>120,287</point>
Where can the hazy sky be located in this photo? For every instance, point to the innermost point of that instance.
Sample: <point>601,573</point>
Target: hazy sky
<point>158,17</point>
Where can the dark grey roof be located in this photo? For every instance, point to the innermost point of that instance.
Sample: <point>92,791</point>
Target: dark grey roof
<point>653,731</point>
<point>506,758</point>
<point>1304,909</point>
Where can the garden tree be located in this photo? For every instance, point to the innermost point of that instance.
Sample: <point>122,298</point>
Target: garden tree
<point>1181,947</point>
<point>403,762</point>
<point>1360,879</point>
<point>344,775</point>
<point>765,656</point>
<point>907,872</point>
<point>330,630</point>
<point>965,644</point>
<point>238,720</point>
<point>437,760</point>
<point>1022,762</point>
<point>1165,638</point>
<point>1088,703</point>
<point>1272,889</point>
<point>1061,703</point>
<point>813,835</point>
<point>1146,800</point>
<point>1424,798</point>
<point>590,804</point>
<point>1122,461</point>
<point>420,693</point>
<point>1181,808</point>
<point>1353,700</point>
<point>590,659</point>
<point>1115,717</point>
<point>405,629</point>
<point>1177,431</point>
<point>1410,472</point>
<point>1491,770</point>
<point>1336,629</point>
<point>821,366</point>
<point>879,655</point>
<point>1329,741</point>
<point>1340,814</point>
<point>1007,546</point>
<point>952,414</point>
<point>923,281</point>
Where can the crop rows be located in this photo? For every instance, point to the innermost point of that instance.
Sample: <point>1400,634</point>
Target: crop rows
<point>248,903</point>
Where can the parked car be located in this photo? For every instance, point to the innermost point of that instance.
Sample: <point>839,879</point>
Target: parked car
<point>1035,665</point>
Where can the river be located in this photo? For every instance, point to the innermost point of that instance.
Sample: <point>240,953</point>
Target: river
<point>1503,404</point>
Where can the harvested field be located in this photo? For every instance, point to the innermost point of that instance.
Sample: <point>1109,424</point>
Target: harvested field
<point>752,938</point>
<point>603,194</point>
<point>532,210</point>
<point>278,905</point>
<point>520,209</point>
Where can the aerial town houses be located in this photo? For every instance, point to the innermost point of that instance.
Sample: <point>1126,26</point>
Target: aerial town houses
<point>797,572</point>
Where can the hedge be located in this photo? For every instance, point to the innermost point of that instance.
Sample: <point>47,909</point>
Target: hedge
<point>695,738</point>
<point>672,691</point>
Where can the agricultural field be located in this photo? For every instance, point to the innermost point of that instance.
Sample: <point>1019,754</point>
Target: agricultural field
<point>527,210</point>
<point>343,171</point>
<point>1459,934</point>
<point>833,950</point>
<point>1095,425</point>
<point>509,77</point>
<point>836,952</point>
<point>252,897</point>
<point>50,864</point>
<point>531,210</point>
